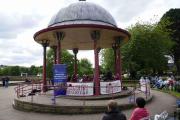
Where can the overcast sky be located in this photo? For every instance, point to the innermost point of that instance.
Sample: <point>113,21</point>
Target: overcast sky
<point>20,19</point>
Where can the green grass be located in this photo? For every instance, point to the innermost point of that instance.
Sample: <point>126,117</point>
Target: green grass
<point>173,93</point>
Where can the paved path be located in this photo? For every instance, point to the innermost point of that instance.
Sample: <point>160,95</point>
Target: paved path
<point>161,101</point>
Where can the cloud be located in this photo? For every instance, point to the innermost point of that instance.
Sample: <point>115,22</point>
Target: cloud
<point>125,10</point>
<point>20,19</point>
<point>14,24</point>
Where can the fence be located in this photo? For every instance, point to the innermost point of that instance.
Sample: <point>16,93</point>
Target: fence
<point>24,90</point>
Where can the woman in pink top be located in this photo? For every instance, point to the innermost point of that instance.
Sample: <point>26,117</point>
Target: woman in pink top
<point>140,113</point>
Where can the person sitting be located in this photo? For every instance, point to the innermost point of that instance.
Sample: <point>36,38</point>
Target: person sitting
<point>117,76</point>
<point>140,113</point>
<point>108,76</point>
<point>85,78</point>
<point>68,78</point>
<point>74,78</point>
<point>113,113</point>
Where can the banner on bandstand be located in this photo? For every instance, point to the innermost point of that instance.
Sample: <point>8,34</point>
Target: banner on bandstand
<point>80,89</point>
<point>110,87</point>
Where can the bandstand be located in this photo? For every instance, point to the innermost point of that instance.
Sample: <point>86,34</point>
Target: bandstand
<point>82,26</point>
<point>79,26</point>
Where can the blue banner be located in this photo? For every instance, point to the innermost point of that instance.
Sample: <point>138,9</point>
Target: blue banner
<point>60,78</point>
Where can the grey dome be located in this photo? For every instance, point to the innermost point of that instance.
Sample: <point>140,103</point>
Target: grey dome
<point>82,13</point>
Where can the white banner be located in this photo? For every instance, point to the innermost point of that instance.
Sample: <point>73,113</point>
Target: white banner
<point>110,87</point>
<point>80,89</point>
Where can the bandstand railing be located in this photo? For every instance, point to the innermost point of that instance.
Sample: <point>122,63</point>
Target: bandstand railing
<point>24,90</point>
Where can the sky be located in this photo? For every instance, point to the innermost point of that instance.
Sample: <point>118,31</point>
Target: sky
<point>21,19</point>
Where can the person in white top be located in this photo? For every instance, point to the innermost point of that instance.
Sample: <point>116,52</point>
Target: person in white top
<point>142,84</point>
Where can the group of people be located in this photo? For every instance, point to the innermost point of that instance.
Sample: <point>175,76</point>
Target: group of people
<point>5,81</point>
<point>89,78</point>
<point>167,83</point>
<point>139,113</point>
<point>159,82</point>
<point>76,78</point>
<point>108,76</point>
<point>144,81</point>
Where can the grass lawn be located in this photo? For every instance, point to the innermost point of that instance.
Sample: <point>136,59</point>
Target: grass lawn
<point>173,93</point>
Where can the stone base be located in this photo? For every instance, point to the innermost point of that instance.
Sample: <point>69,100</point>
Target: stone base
<point>43,104</point>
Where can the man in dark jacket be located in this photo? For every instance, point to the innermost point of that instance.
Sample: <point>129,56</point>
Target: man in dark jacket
<point>113,112</point>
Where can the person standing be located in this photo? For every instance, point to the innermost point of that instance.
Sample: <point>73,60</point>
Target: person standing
<point>140,113</point>
<point>3,81</point>
<point>6,81</point>
<point>113,113</point>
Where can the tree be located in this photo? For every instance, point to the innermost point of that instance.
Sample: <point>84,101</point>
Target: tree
<point>147,48</point>
<point>14,70</point>
<point>1,72</point>
<point>107,60</point>
<point>6,70</point>
<point>85,67</point>
<point>33,70</point>
<point>144,53</point>
<point>50,63</point>
<point>24,69</point>
<point>173,16</point>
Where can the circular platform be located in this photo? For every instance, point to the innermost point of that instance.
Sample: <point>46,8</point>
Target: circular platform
<point>122,94</point>
<point>69,105</point>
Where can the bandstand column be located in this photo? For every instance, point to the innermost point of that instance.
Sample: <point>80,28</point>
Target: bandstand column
<point>95,35</point>
<point>114,46</point>
<point>55,53</point>
<point>118,63</point>
<point>75,51</point>
<point>59,37</point>
<point>118,59</point>
<point>45,43</point>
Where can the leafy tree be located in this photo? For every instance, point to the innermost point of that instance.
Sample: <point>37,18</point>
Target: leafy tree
<point>173,17</point>
<point>68,59</point>
<point>1,72</point>
<point>107,60</point>
<point>40,69</point>
<point>14,70</point>
<point>50,63</point>
<point>147,48</point>
<point>33,70</point>
<point>85,67</point>
<point>6,70</point>
<point>24,69</point>
<point>144,52</point>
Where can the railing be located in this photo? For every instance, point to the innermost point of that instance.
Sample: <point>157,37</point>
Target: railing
<point>23,90</point>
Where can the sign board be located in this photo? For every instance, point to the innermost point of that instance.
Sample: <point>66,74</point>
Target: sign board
<point>110,87</point>
<point>80,89</point>
<point>60,77</point>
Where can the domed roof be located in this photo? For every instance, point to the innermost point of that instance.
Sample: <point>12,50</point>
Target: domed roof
<point>82,13</point>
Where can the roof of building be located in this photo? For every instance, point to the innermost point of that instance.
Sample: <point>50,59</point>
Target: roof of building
<point>82,13</point>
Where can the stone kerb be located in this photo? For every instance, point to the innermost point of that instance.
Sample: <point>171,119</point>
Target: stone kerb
<point>43,108</point>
